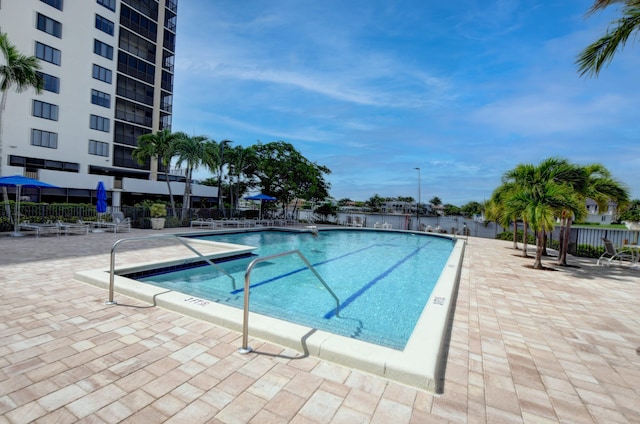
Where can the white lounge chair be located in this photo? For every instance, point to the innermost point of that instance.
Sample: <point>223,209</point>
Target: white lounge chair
<point>611,253</point>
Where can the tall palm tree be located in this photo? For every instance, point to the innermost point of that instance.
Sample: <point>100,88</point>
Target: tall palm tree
<point>241,161</point>
<point>20,71</point>
<point>190,151</point>
<point>215,160</point>
<point>601,52</point>
<point>519,178</point>
<point>159,146</point>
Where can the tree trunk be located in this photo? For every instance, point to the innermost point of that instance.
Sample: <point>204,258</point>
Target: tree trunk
<point>5,193</point>
<point>186,200</point>
<point>537,264</point>
<point>563,223</point>
<point>544,244</point>
<point>562,258</point>
<point>173,203</point>
<point>525,239</point>
<point>515,234</point>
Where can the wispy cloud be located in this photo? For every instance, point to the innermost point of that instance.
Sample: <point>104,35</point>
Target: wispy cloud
<point>464,90</point>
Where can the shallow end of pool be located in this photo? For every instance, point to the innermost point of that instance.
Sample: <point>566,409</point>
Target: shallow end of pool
<point>419,364</point>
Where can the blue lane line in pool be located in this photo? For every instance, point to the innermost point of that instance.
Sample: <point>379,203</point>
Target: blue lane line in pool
<point>270,280</point>
<point>371,283</point>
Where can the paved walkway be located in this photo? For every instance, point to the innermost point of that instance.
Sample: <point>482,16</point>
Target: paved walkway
<point>526,347</point>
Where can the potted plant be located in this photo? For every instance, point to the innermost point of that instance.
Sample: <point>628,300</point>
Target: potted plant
<point>158,213</point>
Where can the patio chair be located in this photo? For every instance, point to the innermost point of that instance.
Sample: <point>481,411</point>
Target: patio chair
<point>611,253</point>
<point>121,223</point>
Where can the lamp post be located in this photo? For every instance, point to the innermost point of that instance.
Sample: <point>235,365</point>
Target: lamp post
<point>418,204</point>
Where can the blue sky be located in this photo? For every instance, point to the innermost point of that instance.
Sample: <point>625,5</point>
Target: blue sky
<point>465,90</point>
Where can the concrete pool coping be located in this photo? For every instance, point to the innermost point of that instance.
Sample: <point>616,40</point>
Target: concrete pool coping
<point>419,364</point>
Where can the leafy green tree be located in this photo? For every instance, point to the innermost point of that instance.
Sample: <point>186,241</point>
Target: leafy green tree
<point>159,146</point>
<point>601,52</point>
<point>189,151</point>
<point>344,202</point>
<point>451,210</point>
<point>287,175</point>
<point>20,71</point>
<point>435,201</point>
<point>375,203</point>
<point>472,208</point>
<point>631,212</point>
<point>325,211</point>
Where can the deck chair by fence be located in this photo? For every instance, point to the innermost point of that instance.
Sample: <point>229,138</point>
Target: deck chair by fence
<point>611,253</point>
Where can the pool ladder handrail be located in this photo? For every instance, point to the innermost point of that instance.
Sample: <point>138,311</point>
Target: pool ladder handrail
<point>245,348</point>
<point>174,236</point>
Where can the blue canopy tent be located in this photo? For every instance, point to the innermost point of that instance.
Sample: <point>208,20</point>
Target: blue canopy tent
<point>18,181</point>
<point>262,198</point>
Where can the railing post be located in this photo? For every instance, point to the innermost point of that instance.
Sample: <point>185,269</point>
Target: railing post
<point>244,349</point>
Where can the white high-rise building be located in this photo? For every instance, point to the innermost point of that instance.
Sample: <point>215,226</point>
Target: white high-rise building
<point>108,70</point>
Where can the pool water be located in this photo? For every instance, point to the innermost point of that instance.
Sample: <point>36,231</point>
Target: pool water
<point>383,280</point>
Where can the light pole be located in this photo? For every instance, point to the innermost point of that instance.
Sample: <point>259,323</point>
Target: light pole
<point>418,204</point>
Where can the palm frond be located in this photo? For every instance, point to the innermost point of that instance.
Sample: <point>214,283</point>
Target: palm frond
<point>600,53</point>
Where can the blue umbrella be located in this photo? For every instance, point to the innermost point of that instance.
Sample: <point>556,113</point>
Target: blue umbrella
<point>101,196</point>
<point>262,198</point>
<point>18,181</point>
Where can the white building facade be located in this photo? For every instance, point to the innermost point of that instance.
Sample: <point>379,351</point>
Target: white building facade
<point>108,70</point>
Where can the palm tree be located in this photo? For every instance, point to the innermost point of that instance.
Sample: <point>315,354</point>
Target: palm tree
<point>214,159</point>
<point>241,161</point>
<point>593,182</point>
<point>520,178</point>
<point>190,151</point>
<point>540,203</point>
<point>495,211</point>
<point>159,146</point>
<point>600,53</point>
<point>20,71</point>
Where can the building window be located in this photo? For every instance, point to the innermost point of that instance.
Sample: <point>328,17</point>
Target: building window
<point>98,148</point>
<point>109,4</point>
<point>55,3</point>
<point>44,139</point>
<point>49,26</point>
<point>103,49</point>
<point>45,110</point>
<point>101,99</point>
<point>104,25</point>
<point>99,123</point>
<point>47,53</point>
<point>51,83</point>
<point>102,74</point>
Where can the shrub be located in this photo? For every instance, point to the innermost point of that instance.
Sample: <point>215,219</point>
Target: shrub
<point>158,210</point>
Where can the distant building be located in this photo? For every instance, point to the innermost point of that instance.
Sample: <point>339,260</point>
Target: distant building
<point>600,217</point>
<point>108,70</point>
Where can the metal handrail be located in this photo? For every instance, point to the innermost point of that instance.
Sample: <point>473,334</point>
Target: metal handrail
<point>247,277</point>
<point>176,237</point>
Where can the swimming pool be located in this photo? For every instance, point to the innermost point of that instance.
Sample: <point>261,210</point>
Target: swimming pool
<point>419,364</point>
<point>382,279</point>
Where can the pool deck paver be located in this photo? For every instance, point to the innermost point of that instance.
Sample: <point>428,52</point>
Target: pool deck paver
<point>526,346</point>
